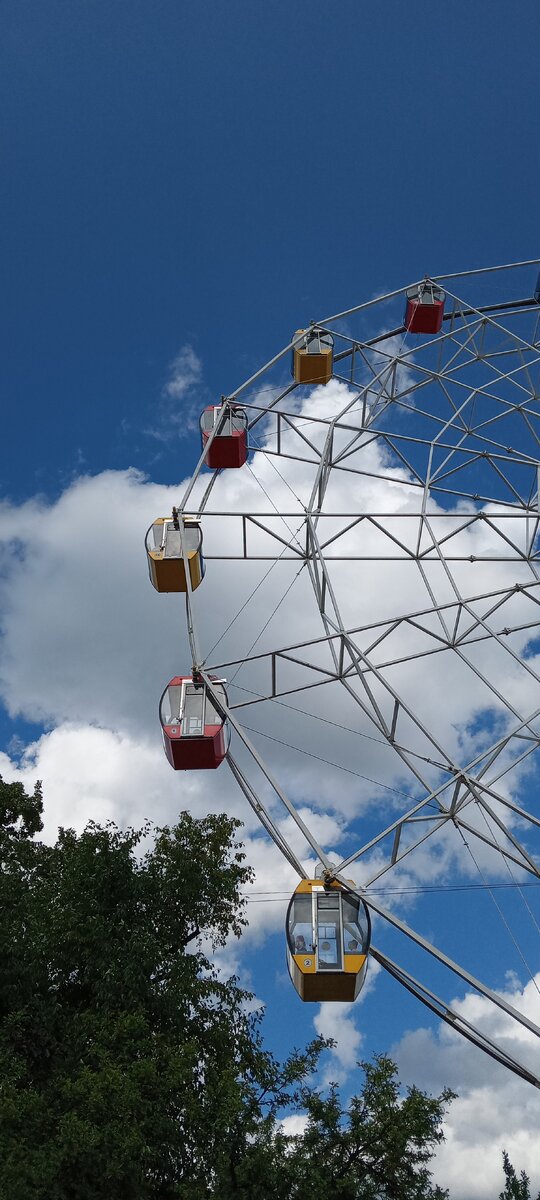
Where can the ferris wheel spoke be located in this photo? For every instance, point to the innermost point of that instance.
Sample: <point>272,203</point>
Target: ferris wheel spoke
<point>485,313</point>
<point>369,705</point>
<point>397,854</point>
<point>263,816</point>
<point>433,429</point>
<point>408,820</point>
<point>343,670</point>
<point>263,412</point>
<point>525,860</point>
<point>386,724</point>
<point>446,961</point>
<point>520,812</point>
<point>451,607</point>
<point>483,762</point>
<point>525,863</point>
<point>453,1018</point>
<point>227,713</point>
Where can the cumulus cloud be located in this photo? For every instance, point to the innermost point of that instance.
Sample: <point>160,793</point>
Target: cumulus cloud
<point>87,647</point>
<point>494,1109</point>
<point>182,397</point>
<point>336,1021</point>
<point>86,639</point>
<point>185,371</point>
<point>92,773</point>
<point>294,1126</point>
<point>339,1022</point>
<point>76,601</point>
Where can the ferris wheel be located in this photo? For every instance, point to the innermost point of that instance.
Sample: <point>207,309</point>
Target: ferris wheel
<point>362,536</point>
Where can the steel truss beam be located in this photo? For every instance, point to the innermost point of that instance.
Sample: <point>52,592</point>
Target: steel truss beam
<point>422,526</point>
<point>463,386</point>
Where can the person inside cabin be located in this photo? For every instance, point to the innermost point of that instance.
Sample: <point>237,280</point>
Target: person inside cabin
<point>326,953</point>
<point>300,945</point>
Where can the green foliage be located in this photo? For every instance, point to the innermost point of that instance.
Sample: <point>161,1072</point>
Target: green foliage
<point>125,1062</point>
<point>376,1149</point>
<point>129,1070</point>
<point>515,1189</point>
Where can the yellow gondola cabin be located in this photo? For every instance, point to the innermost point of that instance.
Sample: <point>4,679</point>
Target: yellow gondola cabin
<point>328,936</point>
<point>169,541</point>
<point>312,356</point>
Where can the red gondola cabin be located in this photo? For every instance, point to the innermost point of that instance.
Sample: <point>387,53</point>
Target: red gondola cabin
<point>194,736</point>
<point>230,446</point>
<point>425,308</point>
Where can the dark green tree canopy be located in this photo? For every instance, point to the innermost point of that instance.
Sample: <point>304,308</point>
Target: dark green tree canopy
<point>516,1187</point>
<point>130,1069</point>
<point>377,1148</point>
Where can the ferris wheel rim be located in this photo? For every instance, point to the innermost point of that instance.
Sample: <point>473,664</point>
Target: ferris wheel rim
<point>335,630</point>
<point>312,505</point>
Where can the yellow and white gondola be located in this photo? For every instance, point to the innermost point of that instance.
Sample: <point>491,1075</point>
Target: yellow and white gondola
<point>170,543</point>
<point>328,934</point>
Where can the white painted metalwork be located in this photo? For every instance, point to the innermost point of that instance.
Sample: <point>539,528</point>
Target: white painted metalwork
<point>445,431</point>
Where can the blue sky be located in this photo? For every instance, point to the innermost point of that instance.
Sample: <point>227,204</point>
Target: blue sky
<point>200,181</point>
<point>217,174</point>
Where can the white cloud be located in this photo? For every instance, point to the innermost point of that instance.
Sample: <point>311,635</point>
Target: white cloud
<point>185,371</point>
<point>336,1021</point>
<point>88,646</point>
<point>87,640</point>
<point>495,1110</point>
<point>92,773</point>
<point>183,396</point>
<point>294,1126</point>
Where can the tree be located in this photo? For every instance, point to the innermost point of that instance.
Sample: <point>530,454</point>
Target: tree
<point>126,1063</point>
<point>378,1148</point>
<point>515,1189</point>
<point>130,1069</point>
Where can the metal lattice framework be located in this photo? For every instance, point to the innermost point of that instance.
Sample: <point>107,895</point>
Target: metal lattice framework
<point>444,432</point>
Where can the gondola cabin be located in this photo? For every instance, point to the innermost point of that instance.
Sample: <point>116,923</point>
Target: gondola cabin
<point>424,309</point>
<point>194,735</point>
<point>229,447</point>
<point>170,541</point>
<point>312,356</point>
<point>328,935</point>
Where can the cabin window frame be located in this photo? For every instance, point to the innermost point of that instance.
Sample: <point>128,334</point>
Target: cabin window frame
<point>183,716</point>
<point>180,720</point>
<point>234,425</point>
<point>418,292</point>
<point>159,529</point>
<point>325,968</point>
<point>364,927</point>
<point>321,341</point>
<point>188,683</point>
